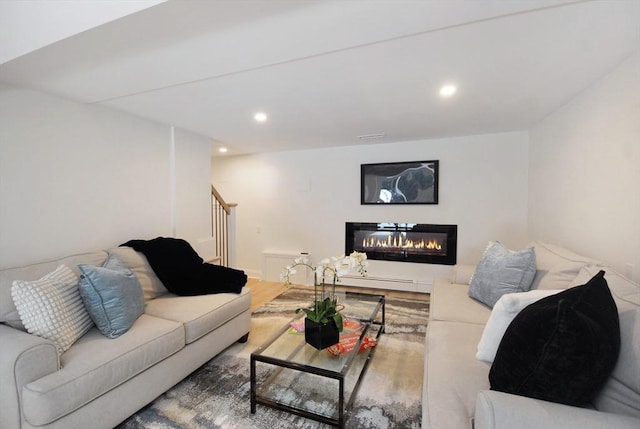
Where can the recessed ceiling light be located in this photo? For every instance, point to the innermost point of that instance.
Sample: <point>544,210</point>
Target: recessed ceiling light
<point>448,90</point>
<point>260,116</point>
<point>222,150</point>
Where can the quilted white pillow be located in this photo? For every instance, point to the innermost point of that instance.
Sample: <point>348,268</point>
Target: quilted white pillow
<point>51,307</point>
<point>505,310</point>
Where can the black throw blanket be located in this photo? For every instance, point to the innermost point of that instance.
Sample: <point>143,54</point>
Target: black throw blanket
<point>183,271</point>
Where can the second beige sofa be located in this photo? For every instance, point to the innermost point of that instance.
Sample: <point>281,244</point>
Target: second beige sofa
<point>456,386</point>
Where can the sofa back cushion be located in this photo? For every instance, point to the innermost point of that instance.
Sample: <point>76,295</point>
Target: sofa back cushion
<point>556,266</point>
<point>151,285</point>
<point>621,392</point>
<point>8,312</point>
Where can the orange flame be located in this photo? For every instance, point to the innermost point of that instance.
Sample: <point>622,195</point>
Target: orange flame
<point>400,242</point>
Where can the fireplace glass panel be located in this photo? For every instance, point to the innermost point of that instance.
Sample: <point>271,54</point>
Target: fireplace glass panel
<point>401,242</point>
<point>404,242</point>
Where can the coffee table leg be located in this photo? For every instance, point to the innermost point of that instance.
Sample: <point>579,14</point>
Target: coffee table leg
<point>253,385</point>
<point>341,404</point>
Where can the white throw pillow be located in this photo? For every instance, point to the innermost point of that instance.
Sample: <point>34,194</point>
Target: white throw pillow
<point>51,307</point>
<point>507,307</point>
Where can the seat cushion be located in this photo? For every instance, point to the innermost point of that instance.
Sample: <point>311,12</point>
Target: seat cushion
<point>96,364</point>
<point>453,376</point>
<point>451,302</point>
<point>200,314</point>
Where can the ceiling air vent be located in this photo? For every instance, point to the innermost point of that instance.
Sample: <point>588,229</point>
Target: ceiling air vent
<point>371,136</point>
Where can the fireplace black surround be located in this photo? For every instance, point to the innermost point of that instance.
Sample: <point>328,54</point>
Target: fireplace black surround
<point>403,242</point>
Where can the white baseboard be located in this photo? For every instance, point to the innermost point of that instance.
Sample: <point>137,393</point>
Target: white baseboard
<point>254,274</point>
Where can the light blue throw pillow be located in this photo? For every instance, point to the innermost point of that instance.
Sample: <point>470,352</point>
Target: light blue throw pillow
<point>502,271</point>
<point>112,295</point>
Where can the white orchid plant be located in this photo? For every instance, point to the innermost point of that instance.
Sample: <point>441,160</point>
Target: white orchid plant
<point>325,305</point>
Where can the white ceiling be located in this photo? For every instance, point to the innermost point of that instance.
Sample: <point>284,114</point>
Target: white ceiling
<point>326,71</point>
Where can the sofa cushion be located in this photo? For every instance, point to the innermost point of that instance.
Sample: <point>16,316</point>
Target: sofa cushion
<point>505,310</point>
<point>502,271</point>
<point>561,348</point>
<point>151,285</point>
<point>200,314</point>
<point>51,307</point>
<point>451,302</point>
<point>501,410</point>
<point>462,274</point>
<point>96,364</point>
<point>8,312</point>
<point>112,296</point>
<point>453,376</point>
<point>557,266</point>
<point>621,392</point>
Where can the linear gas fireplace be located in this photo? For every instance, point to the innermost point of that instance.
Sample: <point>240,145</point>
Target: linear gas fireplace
<point>403,242</point>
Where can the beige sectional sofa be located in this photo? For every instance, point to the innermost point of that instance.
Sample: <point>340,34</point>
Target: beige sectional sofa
<point>99,382</point>
<point>456,390</point>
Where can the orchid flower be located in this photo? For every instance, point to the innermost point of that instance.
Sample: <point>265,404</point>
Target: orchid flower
<point>326,305</point>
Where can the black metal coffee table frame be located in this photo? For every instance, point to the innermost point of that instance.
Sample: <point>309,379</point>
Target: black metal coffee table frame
<point>280,364</point>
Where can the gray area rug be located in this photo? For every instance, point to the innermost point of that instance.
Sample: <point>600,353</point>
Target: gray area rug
<point>217,394</point>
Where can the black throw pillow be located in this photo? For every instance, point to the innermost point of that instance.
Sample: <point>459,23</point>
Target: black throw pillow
<point>561,348</point>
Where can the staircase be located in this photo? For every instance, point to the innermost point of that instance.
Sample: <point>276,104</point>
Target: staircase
<point>223,229</point>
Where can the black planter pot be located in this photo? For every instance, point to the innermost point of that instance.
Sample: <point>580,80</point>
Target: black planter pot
<point>321,335</point>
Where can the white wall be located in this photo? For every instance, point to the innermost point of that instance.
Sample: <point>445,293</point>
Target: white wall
<point>584,185</point>
<point>76,178</point>
<point>193,187</point>
<point>300,200</point>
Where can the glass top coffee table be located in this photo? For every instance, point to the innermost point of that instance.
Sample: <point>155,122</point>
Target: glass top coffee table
<point>290,375</point>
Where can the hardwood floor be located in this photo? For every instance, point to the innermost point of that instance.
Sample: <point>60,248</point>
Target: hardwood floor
<point>265,291</point>
<point>262,292</point>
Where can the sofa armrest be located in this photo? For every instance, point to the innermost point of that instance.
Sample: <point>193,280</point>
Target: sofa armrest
<point>462,274</point>
<point>23,359</point>
<point>498,410</point>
